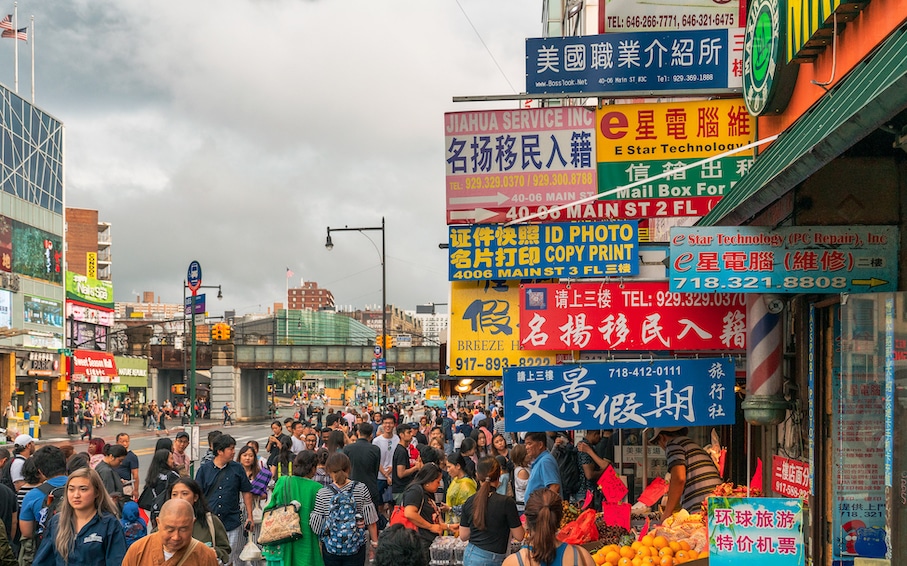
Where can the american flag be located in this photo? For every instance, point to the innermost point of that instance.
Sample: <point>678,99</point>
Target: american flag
<point>21,34</point>
<point>289,273</point>
<point>7,22</point>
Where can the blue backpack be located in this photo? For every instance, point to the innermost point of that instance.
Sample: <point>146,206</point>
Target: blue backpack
<point>342,534</point>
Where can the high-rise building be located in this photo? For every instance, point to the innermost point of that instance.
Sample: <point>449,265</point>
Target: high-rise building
<point>308,296</point>
<point>434,324</point>
<point>88,244</point>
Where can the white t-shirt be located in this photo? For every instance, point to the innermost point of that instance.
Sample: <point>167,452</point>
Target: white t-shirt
<point>15,470</point>
<point>387,447</point>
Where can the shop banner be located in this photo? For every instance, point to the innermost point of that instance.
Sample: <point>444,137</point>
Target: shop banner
<point>746,531</point>
<point>91,291</point>
<point>94,367</point>
<point>663,15</point>
<point>629,316</point>
<point>579,249</point>
<point>801,259</point>
<point>484,317</point>
<point>44,312</point>
<point>6,309</point>
<point>497,158</point>
<point>790,478</point>
<point>641,63</point>
<point>89,314</point>
<point>654,393</point>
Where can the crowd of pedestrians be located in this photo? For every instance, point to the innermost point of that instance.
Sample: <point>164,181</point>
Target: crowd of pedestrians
<point>370,487</point>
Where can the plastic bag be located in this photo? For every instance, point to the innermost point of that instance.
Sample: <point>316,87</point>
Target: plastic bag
<point>581,530</point>
<point>251,552</point>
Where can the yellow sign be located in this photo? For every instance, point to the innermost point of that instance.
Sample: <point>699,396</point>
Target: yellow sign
<point>484,331</point>
<point>91,265</point>
<point>672,130</point>
<point>810,25</point>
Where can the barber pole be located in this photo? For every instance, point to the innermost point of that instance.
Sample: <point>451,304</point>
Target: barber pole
<point>764,404</point>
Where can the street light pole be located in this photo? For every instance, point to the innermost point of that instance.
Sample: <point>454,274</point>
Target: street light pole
<point>192,338</point>
<point>330,245</point>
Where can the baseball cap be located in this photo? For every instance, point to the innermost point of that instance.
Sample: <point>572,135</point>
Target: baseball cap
<point>183,434</point>
<point>24,440</point>
<point>658,431</point>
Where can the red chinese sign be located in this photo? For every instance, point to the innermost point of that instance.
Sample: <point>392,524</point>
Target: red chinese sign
<point>94,367</point>
<point>629,316</point>
<point>790,478</point>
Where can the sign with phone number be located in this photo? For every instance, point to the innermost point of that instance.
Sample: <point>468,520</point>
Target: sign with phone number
<point>800,259</point>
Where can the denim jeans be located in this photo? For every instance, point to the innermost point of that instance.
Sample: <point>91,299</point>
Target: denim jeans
<point>357,559</point>
<point>475,556</point>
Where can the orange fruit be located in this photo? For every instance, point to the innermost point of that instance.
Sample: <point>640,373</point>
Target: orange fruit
<point>692,554</point>
<point>636,545</point>
<point>648,540</point>
<point>666,551</point>
<point>627,552</point>
<point>612,557</point>
<point>684,545</point>
<point>681,556</point>
<point>649,561</point>
<point>675,546</point>
<point>666,561</point>
<point>599,558</point>
<point>625,562</point>
<point>660,541</point>
<point>636,561</point>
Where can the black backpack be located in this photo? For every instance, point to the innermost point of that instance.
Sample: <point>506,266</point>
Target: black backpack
<point>52,497</point>
<point>568,466</point>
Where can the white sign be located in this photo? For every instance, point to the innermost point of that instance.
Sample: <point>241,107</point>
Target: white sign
<point>6,310</point>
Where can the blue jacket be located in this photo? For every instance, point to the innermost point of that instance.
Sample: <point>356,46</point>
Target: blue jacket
<point>101,541</point>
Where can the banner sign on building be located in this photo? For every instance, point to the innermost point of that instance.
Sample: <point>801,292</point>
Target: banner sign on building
<point>532,251</point>
<point>656,393</point>
<point>91,265</point>
<point>94,367</point>
<point>790,478</point>
<point>638,141</point>
<point>800,259</point>
<point>499,158</point>
<point>45,312</point>
<point>484,318</point>
<point>663,15</point>
<point>6,309</point>
<point>638,63</point>
<point>743,531</point>
<point>30,251</point>
<point>87,290</point>
<point>629,316</point>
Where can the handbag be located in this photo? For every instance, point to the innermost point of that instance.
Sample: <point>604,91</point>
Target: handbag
<point>280,524</point>
<point>399,518</point>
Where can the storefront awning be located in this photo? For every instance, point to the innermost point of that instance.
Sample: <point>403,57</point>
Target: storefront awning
<point>870,95</point>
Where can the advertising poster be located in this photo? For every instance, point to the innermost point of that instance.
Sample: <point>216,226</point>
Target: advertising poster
<point>790,478</point>
<point>484,330</point>
<point>661,15</point>
<point>801,259</point>
<point>498,159</point>
<point>94,367</point>
<point>657,393</point>
<point>44,312</point>
<point>746,531</point>
<point>37,253</point>
<point>6,309</point>
<point>6,244</point>
<point>629,316</point>
<point>644,63</point>
<point>88,290</point>
<point>637,141</point>
<point>579,249</point>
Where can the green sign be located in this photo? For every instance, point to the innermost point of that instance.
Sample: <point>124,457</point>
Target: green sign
<point>768,81</point>
<point>91,291</point>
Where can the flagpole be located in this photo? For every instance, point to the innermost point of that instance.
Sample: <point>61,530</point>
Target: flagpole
<point>32,41</point>
<point>16,46</point>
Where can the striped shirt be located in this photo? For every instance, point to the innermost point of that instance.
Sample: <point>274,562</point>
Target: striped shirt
<point>260,482</point>
<point>361,496</point>
<point>702,475</point>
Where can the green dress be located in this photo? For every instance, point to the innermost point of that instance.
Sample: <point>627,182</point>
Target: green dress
<point>306,550</point>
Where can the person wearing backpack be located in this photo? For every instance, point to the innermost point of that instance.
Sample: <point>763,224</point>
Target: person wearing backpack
<point>41,503</point>
<point>568,466</point>
<point>343,512</point>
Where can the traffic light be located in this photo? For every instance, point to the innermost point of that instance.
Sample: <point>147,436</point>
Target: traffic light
<point>220,332</point>
<point>178,389</point>
<point>379,340</point>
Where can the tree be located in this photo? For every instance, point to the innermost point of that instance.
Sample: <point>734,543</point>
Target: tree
<point>288,376</point>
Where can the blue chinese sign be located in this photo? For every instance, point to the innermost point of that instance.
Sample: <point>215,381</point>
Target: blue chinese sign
<point>745,531</point>
<point>532,251</point>
<point>638,62</point>
<point>658,393</point>
<point>800,259</point>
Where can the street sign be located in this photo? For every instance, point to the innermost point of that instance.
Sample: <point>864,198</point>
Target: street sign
<point>378,351</point>
<point>199,319</point>
<point>391,369</point>
<point>199,305</point>
<point>382,363</point>
<point>194,276</point>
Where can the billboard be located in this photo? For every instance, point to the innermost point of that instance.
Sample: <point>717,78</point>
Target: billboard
<point>657,393</point>
<point>94,367</point>
<point>629,316</point>
<point>638,141</point>
<point>87,290</point>
<point>30,251</point>
<point>41,311</point>
<point>579,249</point>
<point>484,335</point>
<point>498,158</point>
<point>661,15</point>
<point>638,63</point>
<point>800,259</point>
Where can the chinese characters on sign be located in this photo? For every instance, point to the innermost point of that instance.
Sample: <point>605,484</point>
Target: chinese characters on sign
<point>498,159</point>
<point>692,392</point>
<point>629,316</point>
<point>581,249</point>
<point>790,478</point>
<point>484,317</point>
<point>638,62</point>
<point>755,530</point>
<point>803,259</point>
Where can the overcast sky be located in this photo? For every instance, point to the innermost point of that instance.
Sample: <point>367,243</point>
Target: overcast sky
<point>234,131</point>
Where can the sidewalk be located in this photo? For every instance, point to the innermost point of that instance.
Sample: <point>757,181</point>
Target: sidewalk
<point>57,432</point>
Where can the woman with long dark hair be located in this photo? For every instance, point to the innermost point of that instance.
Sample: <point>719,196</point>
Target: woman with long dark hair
<point>302,488</point>
<point>160,477</point>
<point>461,486</point>
<point>490,520</point>
<point>114,454</point>
<point>283,463</point>
<point>85,531</point>
<point>419,504</point>
<point>258,476</point>
<point>208,527</point>
<point>543,517</point>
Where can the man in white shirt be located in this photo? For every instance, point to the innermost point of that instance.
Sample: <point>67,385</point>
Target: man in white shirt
<point>23,450</point>
<point>387,442</point>
<point>297,438</point>
<point>410,418</point>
